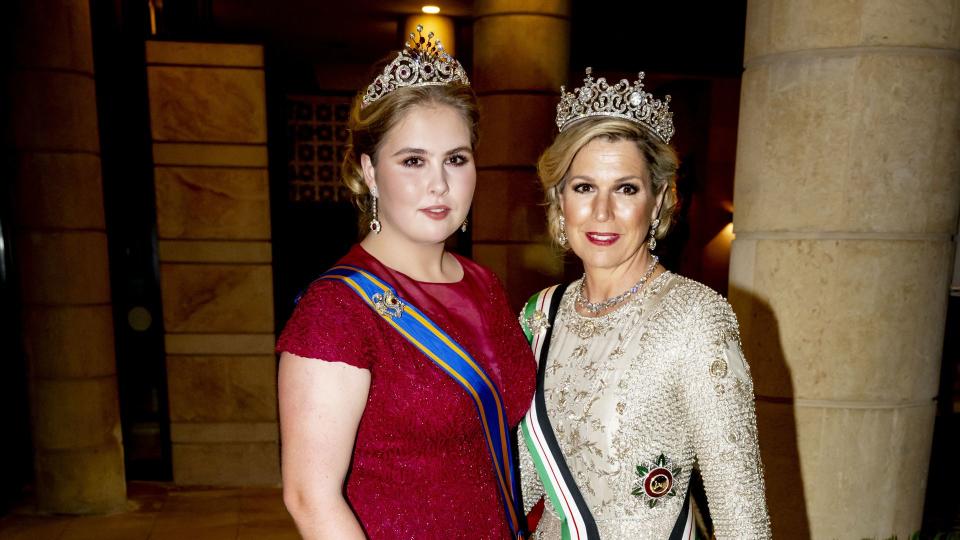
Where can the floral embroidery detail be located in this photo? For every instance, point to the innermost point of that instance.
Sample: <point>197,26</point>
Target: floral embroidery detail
<point>656,480</point>
<point>585,328</point>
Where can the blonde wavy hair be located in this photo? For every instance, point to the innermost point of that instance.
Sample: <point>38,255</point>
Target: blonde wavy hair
<point>554,164</point>
<point>369,126</point>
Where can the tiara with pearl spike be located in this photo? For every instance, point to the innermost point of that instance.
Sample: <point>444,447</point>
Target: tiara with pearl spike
<point>422,62</point>
<point>622,100</point>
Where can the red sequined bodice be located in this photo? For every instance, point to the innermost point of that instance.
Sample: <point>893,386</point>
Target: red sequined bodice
<point>420,466</point>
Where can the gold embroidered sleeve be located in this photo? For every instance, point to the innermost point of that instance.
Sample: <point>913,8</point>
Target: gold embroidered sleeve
<point>722,419</point>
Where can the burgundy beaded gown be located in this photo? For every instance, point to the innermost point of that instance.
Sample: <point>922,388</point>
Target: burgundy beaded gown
<point>420,467</point>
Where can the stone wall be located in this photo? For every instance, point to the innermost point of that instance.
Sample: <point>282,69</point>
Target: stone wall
<point>846,196</point>
<point>208,123</point>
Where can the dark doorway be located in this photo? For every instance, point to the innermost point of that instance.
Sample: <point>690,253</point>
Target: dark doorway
<point>16,452</point>
<point>119,31</point>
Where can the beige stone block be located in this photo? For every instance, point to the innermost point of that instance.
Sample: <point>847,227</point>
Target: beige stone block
<point>520,52</point>
<point>210,155</point>
<point>864,470</point>
<point>204,251</point>
<point>207,104</point>
<point>55,111</point>
<point>82,481</point>
<point>934,24</point>
<point>213,432</point>
<point>222,388</point>
<point>486,8</point>
<point>75,413</point>
<point>507,205</point>
<point>232,344</point>
<point>842,319</point>
<point>217,297</point>
<point>61,268</point>
<point>205,54</point>
<point>227,464</point>
<point>54,34</point>
<point>70,341</point>
<point>524,268</point>
<point>843,144</point>
<point>211,204</point>
<point>775,26</point>
<point>59,191</point>
<point>501,143</point>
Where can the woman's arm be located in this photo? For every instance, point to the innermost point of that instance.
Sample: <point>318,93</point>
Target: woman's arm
<point>721,416</point>
<point>320,408</point>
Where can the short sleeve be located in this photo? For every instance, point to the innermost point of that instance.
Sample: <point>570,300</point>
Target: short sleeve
<point>330,323</point>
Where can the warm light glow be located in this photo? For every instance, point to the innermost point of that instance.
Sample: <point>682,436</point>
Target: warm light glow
<point>440,25</point>
<point>431,10</point>
<point>727,233</point>
<point>716,254</point>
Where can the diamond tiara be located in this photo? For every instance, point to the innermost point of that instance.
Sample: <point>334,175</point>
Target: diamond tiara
<point>622,100</point>
<point>422,62</point>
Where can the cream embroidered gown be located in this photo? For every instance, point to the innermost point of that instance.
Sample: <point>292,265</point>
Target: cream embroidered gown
<point>660,383</point>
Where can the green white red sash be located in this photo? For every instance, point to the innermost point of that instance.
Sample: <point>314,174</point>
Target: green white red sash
<point>576,520</point>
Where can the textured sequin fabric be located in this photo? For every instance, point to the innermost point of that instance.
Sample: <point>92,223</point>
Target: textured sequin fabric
<point>660,383</point>
<point>420,466</point>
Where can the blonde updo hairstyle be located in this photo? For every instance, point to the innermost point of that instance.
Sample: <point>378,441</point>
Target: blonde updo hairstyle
<point>554,165</point>
<point>368,127</point>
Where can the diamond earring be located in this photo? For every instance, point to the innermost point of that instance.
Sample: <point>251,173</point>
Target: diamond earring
<point>375,222</point>
<point>653,234</point>
<point>562,233</point>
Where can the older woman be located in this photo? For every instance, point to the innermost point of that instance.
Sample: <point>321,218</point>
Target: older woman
<point>402,369</point>
<point>641,372</point>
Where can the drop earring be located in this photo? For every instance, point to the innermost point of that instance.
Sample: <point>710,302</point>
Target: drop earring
<point>654,225</point>
<point>562,233</point>
<point>463,226</point>
<point>375,221</point>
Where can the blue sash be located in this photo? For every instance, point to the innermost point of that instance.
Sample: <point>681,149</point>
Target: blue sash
<point>450,357</point>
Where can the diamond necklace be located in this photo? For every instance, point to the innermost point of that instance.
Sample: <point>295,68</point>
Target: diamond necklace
<point>593,309</point>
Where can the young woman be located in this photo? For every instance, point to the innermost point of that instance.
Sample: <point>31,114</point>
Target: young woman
<point>402,369</point>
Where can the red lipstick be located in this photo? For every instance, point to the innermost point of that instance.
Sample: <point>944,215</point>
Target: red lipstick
<point>602,238</point>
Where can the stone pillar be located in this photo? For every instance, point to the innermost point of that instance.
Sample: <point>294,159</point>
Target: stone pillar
<point>62,249</point>
<point>208,123</point>
<point>846,200</point>
<point>521,50</point>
